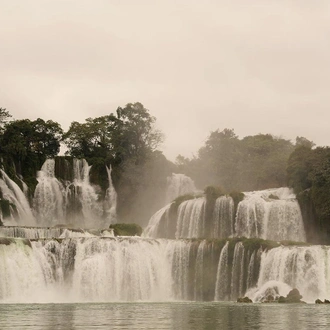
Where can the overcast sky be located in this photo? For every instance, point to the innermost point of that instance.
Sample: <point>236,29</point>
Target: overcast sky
<point>258,66</point>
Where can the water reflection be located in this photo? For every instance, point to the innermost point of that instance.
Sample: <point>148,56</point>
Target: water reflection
<point>183,316</point>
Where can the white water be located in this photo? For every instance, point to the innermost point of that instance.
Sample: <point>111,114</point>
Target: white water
<point>48,202</point>
<point>54,203</point>
<point>223,217</point>
<point>272,214</point>
<point>93,269</point>
<point>178,185</point>
<point>85,195</point>
<point>111,200</point>
<point>190,223</point>
<point>12,193</point>
<point>305,268</point>
<point>152,230</point>
<point>222,291</point>
<point>261,215</point>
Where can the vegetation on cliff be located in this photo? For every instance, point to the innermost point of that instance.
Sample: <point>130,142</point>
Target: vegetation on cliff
<point>309,175</point>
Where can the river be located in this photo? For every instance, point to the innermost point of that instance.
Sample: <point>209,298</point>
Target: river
<point>169,315</point>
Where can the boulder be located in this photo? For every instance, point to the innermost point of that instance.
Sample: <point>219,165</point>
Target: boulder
<point>244,300</point>
<point>293,296</point>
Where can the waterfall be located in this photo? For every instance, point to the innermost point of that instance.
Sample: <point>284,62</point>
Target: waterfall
<point>178,185</point>
<point>199,271</point>
<point>85,194</point>
<point>270,214</point>
<point>237,275</point>
<point>80,269</point>
<point>71,200</point>
<point>15,196</point>
<point>81,266</point>
<point>48,202</point>
<point>223,217</point>
<point>159,224</point>
<point>222,280</point>
<point>190,223</point>
<point>111,199</point>
<point>305,268</point>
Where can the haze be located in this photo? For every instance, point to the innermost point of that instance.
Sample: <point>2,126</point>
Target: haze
<point>256,66</point>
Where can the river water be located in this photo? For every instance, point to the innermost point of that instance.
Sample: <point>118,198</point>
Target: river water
<point>171,315</point>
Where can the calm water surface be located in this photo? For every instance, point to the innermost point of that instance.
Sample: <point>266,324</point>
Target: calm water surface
<point>184,316</point>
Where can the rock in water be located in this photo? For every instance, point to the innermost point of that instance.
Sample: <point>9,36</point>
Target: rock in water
<point>293,296</point>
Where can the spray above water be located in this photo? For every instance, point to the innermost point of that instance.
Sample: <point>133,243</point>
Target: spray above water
<point>178,185</point>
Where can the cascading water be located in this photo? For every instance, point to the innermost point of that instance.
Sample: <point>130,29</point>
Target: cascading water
<point>111,199</point>
<point>222,291</point>
<point>60,202</point>
<point>306,268</point>
<point>178,185</point>
<point>84,194</point>
<point>190,223</point>
<point>223,217</point>
<point>48,202</point>
<point>80,267</point>
<point>237,276</point>
<point>11,192</point>
<point>270,214</point>
<point>159,224</point>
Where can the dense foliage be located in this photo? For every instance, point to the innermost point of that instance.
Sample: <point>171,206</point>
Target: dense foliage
<point>252,163</point>
<point>127,140</point>
<point>309,175</point>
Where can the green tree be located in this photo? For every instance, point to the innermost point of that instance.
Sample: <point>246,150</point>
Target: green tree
<point>128,133</point>
<point>28,143</point>
<point>4,118</point>
<point>126,139</point>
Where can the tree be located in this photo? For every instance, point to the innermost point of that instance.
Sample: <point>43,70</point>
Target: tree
<point>137,135</point>
<point>28,143</point>
<point>129,133</point>
<point>303,142</point>
<point>254,162</point>
<point>127,139</point>
<point>92,139</point>
<point>4,117</point>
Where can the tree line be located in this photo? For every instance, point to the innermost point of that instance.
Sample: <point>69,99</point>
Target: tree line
<point>127,140</point>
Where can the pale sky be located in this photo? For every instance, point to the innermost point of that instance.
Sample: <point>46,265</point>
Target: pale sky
<point>258,66</point>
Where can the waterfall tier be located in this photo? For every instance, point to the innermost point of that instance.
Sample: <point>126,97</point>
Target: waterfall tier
<point>71,200</point>
<point>269,214</point>
<point>79,269</point>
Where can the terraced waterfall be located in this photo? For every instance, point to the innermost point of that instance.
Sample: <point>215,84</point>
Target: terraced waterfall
<point>196,250</point>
